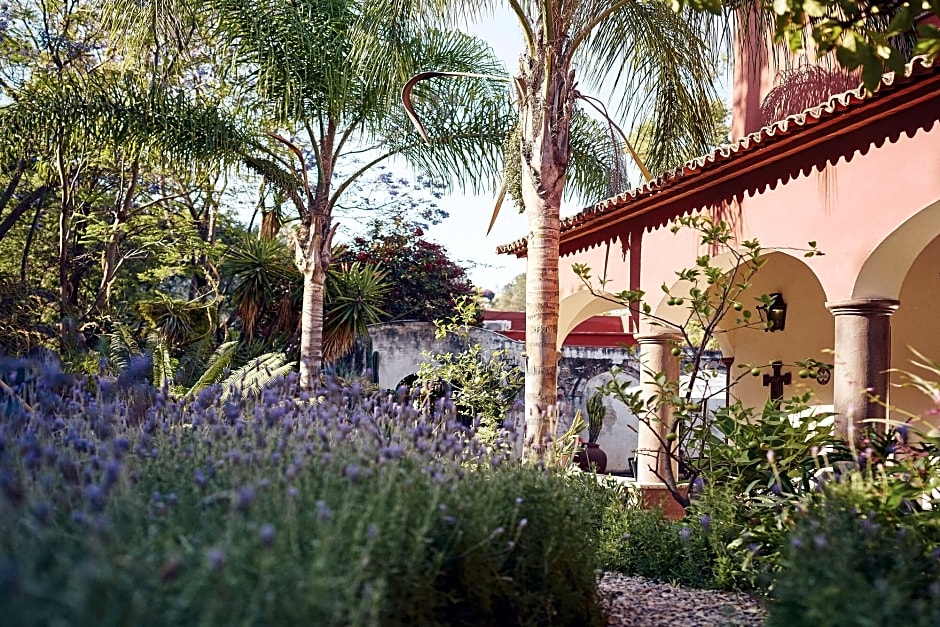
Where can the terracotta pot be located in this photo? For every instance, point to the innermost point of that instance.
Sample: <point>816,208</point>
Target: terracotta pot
<point>591,455</point>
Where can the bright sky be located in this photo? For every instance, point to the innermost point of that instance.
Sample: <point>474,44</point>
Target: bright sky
<point>464,233</point>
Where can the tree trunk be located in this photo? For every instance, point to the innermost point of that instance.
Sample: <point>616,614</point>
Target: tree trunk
<point>111,258</point>
<point>546,118</point>
<point>22,207</point>
<point>313,259</point>
<point>311,329</point>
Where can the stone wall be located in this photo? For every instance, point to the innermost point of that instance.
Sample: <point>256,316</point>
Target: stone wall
<point>401,348</point>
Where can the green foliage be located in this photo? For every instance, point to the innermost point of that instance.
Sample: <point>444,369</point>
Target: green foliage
<point>21,322</point>
<point>851,561</point>
<point>873,35</point>
<point>643,542</point>
<point>178,322</point>
<point>355,296</point>
<point>770,453</point>
<point>263,284</point>
<point>596,413</point>
<point>512,295</point>
<point>483,383</point>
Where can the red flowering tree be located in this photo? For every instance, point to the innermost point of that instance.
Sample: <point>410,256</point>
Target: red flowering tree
<point>425,281</point>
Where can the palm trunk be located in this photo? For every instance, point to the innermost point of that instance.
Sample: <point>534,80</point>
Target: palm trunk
<point>545,149</point>
<point>311,329</point>
<point>314,253</point>
<point>314,260</point>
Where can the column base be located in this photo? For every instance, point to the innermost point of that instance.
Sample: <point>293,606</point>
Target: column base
<point>654,495</point>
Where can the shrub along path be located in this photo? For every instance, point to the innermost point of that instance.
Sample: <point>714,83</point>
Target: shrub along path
<point>639,602</point>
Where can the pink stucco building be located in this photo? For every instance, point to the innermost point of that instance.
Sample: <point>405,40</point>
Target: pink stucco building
<point>857,173</point>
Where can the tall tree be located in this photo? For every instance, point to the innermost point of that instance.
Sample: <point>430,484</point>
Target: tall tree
<point>92,136</point>
<point>512,295</point>
<point>323,107</point>
<point>662,65</point>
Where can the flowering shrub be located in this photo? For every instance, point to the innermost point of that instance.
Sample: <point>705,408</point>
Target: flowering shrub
<point>426,282</point>
<point>128,506</point>
<point>849,561</point>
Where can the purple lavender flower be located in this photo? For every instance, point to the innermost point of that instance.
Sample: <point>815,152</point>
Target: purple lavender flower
<point>706,522</point>
<point>324,512</point>
<point>685,534</point>
<point>266,535</point>
<point>95,496</point>
<point>216,557</point>
<point>244,498</point>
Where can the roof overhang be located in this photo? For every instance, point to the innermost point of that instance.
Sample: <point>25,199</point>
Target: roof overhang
<point>845,123</point>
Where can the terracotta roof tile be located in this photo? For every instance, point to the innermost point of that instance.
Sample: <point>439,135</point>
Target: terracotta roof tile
<point>793,124</point>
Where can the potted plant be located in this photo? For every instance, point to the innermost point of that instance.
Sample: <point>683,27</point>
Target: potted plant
<point>592,454</point>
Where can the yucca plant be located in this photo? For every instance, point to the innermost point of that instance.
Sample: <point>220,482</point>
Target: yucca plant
<point>263,286</point>
<point>177,322</point>
<point>355,293</point>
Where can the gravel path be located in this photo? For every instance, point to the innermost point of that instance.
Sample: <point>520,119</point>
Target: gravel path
<point>638,602</point>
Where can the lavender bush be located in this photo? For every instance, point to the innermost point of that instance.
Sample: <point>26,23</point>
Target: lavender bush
<point>123,505</point>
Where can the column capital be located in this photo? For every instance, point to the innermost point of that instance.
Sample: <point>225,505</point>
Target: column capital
<point>867,307</point>
<point>662,337</point>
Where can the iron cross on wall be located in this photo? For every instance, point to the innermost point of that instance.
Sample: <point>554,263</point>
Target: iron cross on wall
<point>776,381</point>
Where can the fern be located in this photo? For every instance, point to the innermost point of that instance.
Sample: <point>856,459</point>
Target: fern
<point>253,376</point>
<point>220,359</point>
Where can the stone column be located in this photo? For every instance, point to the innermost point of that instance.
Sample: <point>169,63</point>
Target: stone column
<point>862,359</point>
<point>655,357</point>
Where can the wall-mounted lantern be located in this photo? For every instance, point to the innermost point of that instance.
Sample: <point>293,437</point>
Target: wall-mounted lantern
<point>773,313</point>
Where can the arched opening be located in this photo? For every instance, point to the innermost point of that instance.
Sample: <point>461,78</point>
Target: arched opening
<point>808,333</point>
<point>578,307</point>
<point>913,326</point>
<point>906,266</point>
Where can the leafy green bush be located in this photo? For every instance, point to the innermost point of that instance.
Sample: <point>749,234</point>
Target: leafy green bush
<point>331,508</point>
<point>483,383</point>
<point>644,542</point>
<point>851,562</point>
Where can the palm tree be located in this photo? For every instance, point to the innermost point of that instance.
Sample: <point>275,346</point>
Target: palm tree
<point>662,64</point>
<point>331,116</point>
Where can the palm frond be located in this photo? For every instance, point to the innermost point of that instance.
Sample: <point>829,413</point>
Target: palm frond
<point>600,162</point>
<point>116,111</point>
<point>663,64</point>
